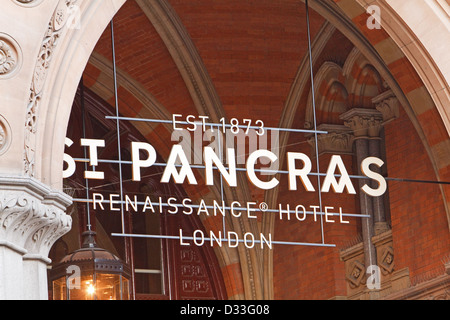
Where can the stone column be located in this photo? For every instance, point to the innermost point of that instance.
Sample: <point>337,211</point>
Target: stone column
<point>388,106</point>
<point>32,218</point>
<point>380,223</point>
<point>375,125</point>
<point>364,123</point>
<point>44,46</point>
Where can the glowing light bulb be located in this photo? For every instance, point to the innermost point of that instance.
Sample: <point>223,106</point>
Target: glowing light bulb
<point>90,289</point>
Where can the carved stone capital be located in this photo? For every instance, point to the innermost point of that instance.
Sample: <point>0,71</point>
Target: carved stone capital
<point>364,123</point>
<point>388,104</point>
<point>32,216</point>
<point>338,140</point>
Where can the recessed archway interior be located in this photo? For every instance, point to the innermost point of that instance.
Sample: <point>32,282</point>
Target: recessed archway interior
<point>249,61</point>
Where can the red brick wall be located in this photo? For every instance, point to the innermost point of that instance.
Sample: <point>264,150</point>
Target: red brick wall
<point>251,49</point>
<point>419,223</point>
<point>142,55</point>
<point>302,272</point>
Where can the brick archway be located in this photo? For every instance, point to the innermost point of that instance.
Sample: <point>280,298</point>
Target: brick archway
<point>402,45</point>
<point>77,46</point>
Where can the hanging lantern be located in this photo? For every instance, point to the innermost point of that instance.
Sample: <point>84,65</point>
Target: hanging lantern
<point>90,273</point>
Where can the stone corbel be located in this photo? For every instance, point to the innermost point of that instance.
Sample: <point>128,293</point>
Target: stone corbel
<point>364,123</point>
<point>338,140</point>
<point>388,104</point>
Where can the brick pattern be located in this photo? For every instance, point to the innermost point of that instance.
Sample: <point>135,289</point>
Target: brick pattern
<point>402,70</point>
<point>420,226</point>
<point>251,49</point>
<point>143,55</point>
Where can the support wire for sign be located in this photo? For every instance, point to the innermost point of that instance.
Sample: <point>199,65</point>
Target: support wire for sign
<point>219,139</point>
<point>320,213</point>
<point>86,181</point>
<point>218,125</point>
<point>271,171</point>
<point>195,206</point>
<point>315,132</point>
<point>223,237</point>
<point>314,114</point>
<point>116,101</point>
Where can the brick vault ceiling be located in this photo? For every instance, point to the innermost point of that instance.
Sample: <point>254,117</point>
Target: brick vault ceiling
<point>250,50</point>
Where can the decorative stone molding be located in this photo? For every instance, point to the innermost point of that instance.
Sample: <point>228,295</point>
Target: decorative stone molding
<point>437,288</point>
<point>355,274</point>
<point>338,140</point>
<point>328,75</point>
<point>8,59</point>
<point>32,217</point>
<point>385,252</point>
<point>49,43</point>
<point>387,260</point>
<point>5,135</point>
<point>388,104</point>
<point>380,227</point>
<point>27,3</point>
<point>355,270</point>
<point>10,56</point>
<point>364,123</point>
<point>391,280</point>
<point>442,296</point>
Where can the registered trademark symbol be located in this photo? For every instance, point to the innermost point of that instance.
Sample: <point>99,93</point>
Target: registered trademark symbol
<point>263,206</point>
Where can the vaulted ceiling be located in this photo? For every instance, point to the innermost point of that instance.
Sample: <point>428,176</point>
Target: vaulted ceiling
<point>238,59</point>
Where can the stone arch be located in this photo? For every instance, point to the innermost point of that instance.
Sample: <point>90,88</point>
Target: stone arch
<point>363,82</point>
<point>416,41</point>
<point>288,113</point>
<point>370,85</point>
<point>401,66</point>
<point>137,95</point>
<point>76,45</point>
<point>330,95</point>
<point>52,109</point>
<point>388,57</point>
<point>335,103</point>
<point>64,72</point>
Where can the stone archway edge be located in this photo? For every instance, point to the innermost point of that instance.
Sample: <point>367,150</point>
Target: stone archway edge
<point>418,35</point>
